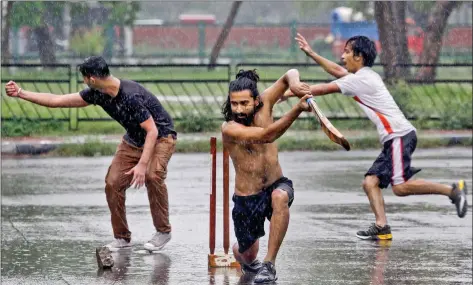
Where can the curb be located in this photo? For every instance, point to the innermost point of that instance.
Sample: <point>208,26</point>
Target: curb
<point>27,148</point>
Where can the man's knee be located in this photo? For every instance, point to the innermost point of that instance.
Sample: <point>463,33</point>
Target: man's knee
<point>279,199</point>
<point>155,176</point>
<point>112,183</point>
<point>400,190</point>
<point>370,182</point>
<point>113,192</point>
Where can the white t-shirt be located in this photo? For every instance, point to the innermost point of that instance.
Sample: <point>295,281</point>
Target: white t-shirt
<point>369,91</point>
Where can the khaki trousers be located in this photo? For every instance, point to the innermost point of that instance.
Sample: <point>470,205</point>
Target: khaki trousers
<point>126,157</point>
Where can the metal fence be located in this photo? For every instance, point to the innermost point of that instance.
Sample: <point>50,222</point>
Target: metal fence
<point>417,98</point>
<point>185,90</point>
<point>188,91</point>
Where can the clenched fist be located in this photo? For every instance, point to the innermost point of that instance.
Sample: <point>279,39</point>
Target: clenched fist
<point>12,89</point>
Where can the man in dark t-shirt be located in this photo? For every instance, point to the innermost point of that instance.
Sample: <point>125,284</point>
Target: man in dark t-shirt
<point>132,105</point>
<point>142,156</point>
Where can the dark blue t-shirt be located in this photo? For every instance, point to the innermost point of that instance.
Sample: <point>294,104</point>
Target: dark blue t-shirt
<point>132,106</point>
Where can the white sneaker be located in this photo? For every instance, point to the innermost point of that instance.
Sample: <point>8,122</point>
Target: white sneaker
<point>158,241</point>
<point>118,244</point>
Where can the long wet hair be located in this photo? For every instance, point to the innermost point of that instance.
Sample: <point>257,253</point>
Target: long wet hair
<point>245,80</point>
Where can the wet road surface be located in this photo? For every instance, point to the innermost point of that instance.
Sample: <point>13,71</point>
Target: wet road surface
<point>54,214</point>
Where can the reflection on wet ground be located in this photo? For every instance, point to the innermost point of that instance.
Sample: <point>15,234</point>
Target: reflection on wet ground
<point>54,214</point>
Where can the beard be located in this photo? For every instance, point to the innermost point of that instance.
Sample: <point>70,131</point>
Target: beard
<point>244,119</point>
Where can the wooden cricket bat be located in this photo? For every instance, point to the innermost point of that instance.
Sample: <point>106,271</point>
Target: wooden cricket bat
<point>332,132</point>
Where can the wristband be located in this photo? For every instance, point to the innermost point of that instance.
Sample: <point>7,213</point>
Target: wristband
<point>18,93</point>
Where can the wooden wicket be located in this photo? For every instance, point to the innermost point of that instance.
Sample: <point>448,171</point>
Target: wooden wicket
<point>225,259</point>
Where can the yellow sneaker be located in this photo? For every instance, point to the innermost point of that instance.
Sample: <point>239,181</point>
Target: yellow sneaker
<point>458,197</point>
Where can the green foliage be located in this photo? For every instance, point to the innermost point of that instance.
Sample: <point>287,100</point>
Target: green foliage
<point>188,146</point>
<point>457,116</point>
<point>195,124</point>
<point>403,98</point>
<point>53,9</point>
<point>97,148</point>
<point>27,13</point>
<point>121,13</point>
<point>33,13</point>
<point>88,42</point>
<point>79,9</point>
<point>444,142</point>
<point>25,127</point>
<point>89,148</point>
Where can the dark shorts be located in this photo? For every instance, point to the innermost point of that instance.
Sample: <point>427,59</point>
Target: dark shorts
<point>393,165</point>
<point>249,213</point>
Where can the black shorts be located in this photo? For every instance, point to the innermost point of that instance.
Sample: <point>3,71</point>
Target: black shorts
<point>393,165</point>
<point>249,213</point>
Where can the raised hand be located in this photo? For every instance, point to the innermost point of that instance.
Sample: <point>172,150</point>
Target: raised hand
<point>303,44</point>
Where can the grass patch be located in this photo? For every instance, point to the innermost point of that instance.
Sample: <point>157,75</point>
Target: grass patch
<point>89,148</point>
<point>35,128</point>
<point>195,124</point>
<point>26,127</point>
<point>443,142</point>
<point>96,148</point>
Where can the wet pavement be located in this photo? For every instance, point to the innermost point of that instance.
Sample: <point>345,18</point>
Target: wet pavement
<point>54,215</point>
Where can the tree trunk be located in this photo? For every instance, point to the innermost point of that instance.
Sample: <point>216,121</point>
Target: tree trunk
<point>224,33</point>
<point>383,13</point>
<point>403,57</point>
<point>433,38</point>
<point>121,41</point>
<point>66,29</point>
<point>6,26</point>
<point>45,45</point>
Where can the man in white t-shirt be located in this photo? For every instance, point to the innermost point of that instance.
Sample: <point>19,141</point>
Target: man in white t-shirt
<point>396,133</point>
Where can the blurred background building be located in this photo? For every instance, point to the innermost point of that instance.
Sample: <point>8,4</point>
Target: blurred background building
<point>425,54</point>
<point>61,32</point>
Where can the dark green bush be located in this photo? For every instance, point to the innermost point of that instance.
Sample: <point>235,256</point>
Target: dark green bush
<point>195,124</point>
<point>26,127</point>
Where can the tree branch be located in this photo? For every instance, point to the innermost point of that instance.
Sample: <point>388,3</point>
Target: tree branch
<point>224,33</point>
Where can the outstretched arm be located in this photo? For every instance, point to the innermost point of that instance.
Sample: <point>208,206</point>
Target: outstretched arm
<point>324,89</point>
<point>239,133</point>
<point>328,65</point>
<point>315,90</point>
<point>45,99</point>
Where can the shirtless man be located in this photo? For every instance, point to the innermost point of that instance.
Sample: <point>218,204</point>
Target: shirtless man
<point>261,190</point>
